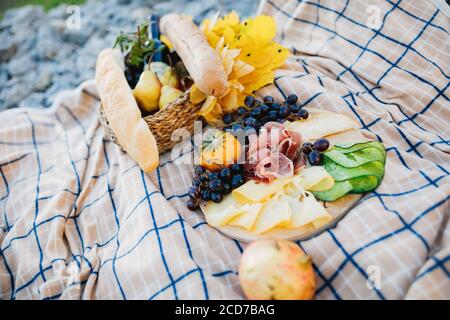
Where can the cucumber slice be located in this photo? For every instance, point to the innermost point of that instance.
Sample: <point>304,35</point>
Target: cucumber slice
<point>355,159</point>
<point>361,184</point>
<point>339,189</point>
<point>364,184</point>
<point>355,146</point>
<point>340,173</point>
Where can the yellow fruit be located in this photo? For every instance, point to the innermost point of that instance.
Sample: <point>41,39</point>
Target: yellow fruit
<point>168,95</point>
<point>276,270</point>
<point>219,149</point>
<point>147,91</point>
<point>166,75</point>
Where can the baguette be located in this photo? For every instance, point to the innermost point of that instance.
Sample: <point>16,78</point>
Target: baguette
<point>203,62</point>
<point>122,111</point>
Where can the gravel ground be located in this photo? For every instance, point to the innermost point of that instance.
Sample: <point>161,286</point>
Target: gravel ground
<point>40,54</point>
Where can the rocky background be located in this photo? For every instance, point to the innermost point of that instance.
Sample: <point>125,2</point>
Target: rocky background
<point>40,55</point>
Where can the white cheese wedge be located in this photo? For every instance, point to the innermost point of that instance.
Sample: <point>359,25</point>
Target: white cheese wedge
<point>309,211</point>
<point>319,125</point>
<point>252,192</point>
<point>219,214</point>
<point>273,213</point>
<point>315,178</point>
<point>248,218</point>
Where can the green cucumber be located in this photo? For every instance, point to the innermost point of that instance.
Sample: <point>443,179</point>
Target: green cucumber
<point>348,147</point>
<point>340,173</point>
<point>355,159</point>
<point>339,189</point>
<point>364,184</point>
<point>361,184</point>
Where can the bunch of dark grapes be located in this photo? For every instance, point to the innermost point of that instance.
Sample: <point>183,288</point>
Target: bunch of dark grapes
<point>256,113</point>
<point>208,185</point>
<point>313,151</point>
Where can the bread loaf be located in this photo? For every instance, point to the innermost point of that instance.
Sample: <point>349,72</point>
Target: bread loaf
<point>203,62</point>
<point>122,111</point>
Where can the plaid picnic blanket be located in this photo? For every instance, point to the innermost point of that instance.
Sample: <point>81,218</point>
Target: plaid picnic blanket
<point>79,219</point>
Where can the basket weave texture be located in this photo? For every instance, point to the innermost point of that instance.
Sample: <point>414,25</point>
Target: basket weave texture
<point>180,114</point>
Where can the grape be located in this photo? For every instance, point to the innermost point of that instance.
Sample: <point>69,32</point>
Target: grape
<point>249,101</point>
<point>193,192</point>
<point>256,113</point>
<point>283,112</point>
<point>307,147</point>
<point>199,170</point>
<point>264,108</point>
<point>303,114</point>
<point>215,185</point>
<point>250,121</point>
<point>249,130</point>
<point>204,176</point>
<point>237,127</point>
<point>225,174</point>
<point>237,181</point>
<point>321,145</point>
<point>275,106</point>
<point>192,204</point>
<point>213,175</point>
<point>269,100</point>
<point>315,158</point>
<point>236,168</point>
<point>205,195</point>
<point>216,197</point>
<point>226,188</point>
<point>241,111</point>
<point>294,108</point>
<point>228,118</point>
<point>292,98</point>
<point>196,181</point>
<point>273,115</point>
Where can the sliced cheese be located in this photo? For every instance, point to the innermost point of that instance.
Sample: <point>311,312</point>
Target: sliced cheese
<point>311,210</point>
<point>322,124</point>
<point>248,218</point>
<point>252,191</point>
<point>219,214</point>
<point>273,214</point>
<point>315,178</point>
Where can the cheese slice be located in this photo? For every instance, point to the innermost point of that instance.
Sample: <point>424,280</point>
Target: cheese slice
<point>252,191</point>
<point>322,124</point>
<point>219,214</point>
<point>309,211</point>
<point>248,218</point>
<point>315,178</point>
<point>274,213</point>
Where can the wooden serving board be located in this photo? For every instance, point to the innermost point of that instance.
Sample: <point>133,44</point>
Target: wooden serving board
<point>337,209</point>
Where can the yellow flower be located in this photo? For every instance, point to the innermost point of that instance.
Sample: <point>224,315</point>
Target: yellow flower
<point>249,55</point>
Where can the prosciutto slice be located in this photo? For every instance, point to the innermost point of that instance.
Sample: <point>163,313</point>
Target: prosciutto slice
<point>273,153</point>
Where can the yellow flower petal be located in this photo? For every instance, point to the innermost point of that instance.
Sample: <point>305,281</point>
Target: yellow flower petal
<point>208,105</point>
<point>196,96</point>
<point>262,29</point>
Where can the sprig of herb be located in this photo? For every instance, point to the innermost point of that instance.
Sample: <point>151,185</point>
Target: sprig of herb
<point>137,47</point>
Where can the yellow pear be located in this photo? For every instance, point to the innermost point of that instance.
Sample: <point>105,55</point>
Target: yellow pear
<point>170,78</point>
<point>148,91</point>
<point>168,95</point>
<point>166,74</point>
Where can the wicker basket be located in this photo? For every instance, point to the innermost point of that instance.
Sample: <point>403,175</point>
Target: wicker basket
<point>179,114</point>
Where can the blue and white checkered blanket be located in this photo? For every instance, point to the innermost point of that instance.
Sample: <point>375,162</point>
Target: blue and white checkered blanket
<point>79,219</point>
